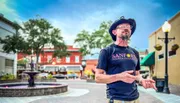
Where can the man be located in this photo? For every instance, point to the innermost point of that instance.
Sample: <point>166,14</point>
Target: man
<point>118,65</point>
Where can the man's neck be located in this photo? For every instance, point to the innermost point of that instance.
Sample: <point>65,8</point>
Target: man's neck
<point>121,43</point>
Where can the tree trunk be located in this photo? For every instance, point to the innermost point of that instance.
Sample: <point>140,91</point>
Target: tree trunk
<point>37,59</point>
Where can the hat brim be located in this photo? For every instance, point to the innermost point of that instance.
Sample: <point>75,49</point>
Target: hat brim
<point>132,22</point>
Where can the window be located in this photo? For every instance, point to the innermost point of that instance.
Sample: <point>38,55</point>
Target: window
<point>9,62</point>
<point>161,56</point>
<point>171,53</point>
<point>58,59</point>
<point>67,59</point>
<point>76,59</point>
<point>49,58</point>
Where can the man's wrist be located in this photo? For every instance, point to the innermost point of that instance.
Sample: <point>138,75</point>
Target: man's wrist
<point>116,77</point>
<point>139,79</point>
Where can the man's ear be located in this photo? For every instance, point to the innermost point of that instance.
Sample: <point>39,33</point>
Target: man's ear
<point>114,32</point>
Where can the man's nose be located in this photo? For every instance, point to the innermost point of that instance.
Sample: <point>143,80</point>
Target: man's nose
<point>126,31</point>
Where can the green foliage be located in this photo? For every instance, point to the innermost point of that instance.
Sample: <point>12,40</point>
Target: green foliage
<point>49,76</point>
<point>93,76</point>
<point>41,32</point>
<point>22,61</point>
<point>37,33</point>
<point>8,77</point>
<point>14,44</point>
<point>98,39</point>
<point>85,41</point>
<point>102,36</point>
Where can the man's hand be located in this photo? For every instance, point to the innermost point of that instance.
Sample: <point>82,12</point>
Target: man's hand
<point>148,83</point>
<point>126,76</point>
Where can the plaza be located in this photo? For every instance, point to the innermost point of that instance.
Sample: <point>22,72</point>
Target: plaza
<point>79,91</point>
<point>56,42</point>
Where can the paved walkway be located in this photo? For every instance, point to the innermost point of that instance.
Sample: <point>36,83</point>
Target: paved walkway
<point>165,98</point>
<point>82,92</point>
<point>71,93</point>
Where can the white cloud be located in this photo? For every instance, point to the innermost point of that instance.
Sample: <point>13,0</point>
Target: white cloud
<point>8,12</point>
<point>70,27</point>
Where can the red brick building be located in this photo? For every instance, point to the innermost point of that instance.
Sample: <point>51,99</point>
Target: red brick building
<point>50,63</point>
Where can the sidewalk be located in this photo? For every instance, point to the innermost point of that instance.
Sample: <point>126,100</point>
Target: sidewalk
<point>79,91</point>
<point>166,98</point>
<point>71,93</point>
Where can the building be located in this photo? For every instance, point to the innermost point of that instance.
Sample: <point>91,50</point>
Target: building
<point>91,65</point>
<point>55,64</point>
<point>173,56</point>
<point>8,62</point>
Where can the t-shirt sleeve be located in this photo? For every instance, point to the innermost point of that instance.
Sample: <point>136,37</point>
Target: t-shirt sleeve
<point>138,61</point>
<point>102,61</point>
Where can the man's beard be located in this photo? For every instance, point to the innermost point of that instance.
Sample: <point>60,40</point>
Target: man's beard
<point>125,37</point>
<point>124,40</point>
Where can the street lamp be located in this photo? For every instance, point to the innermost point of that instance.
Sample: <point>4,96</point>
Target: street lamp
<point>83,63</point>
<point>166,29</point>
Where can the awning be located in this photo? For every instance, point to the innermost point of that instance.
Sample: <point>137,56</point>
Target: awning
<point>148,60</point>
<point>74,68</point>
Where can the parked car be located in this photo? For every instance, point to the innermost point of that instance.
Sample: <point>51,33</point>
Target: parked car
<point>43,74</point>
<point>73,76</point>
<point>60,76</point>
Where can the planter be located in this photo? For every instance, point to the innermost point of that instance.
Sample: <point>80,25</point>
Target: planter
<point>10,81</point>
<point>174,47</point>
<point>158,47</point>
<point>91,80</point>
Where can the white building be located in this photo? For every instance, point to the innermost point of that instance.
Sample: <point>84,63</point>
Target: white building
<point>8,62</point>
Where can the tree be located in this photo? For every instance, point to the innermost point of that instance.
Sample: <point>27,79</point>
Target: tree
<point>85,41</point>
<point>98,39</point>
<point>37,33</point>
<point>101,36</point>
<point>40,32</point>
<point>14,43</point>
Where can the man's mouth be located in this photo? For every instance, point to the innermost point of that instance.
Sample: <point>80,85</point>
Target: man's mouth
<point>125,37</point>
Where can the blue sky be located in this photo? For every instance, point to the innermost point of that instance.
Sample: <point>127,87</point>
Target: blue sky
<point>72,16</point>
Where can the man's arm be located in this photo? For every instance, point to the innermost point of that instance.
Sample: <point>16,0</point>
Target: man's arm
<point>102,77</point>
<point>146,83</point>
<point>138,76</point>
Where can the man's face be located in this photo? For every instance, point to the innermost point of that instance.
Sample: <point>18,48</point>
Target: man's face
<point>122,30</point>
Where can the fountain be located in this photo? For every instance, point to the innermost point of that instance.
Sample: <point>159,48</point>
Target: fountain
<point>24,89</point>
<point>31,77</point>
<point>31,74</point>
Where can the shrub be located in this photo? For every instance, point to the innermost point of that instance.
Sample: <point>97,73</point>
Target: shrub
<point>49,76</point>
<point>93,76</point>
<point>8,77</point>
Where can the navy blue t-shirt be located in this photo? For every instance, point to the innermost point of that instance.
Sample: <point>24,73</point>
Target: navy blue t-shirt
<point>116,59</point>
